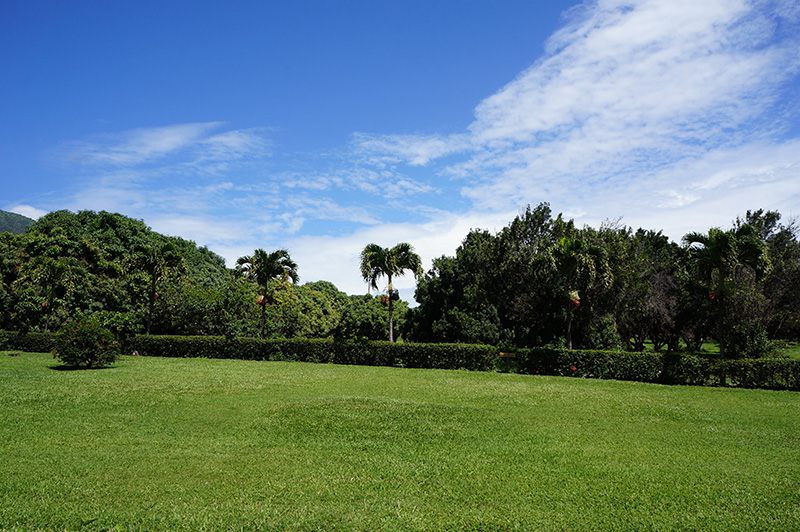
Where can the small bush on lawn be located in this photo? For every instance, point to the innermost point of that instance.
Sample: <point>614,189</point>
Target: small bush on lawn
<point>86,343</point>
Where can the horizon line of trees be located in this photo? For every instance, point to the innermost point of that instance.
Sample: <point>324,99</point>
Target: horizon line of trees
<point>539,281</point>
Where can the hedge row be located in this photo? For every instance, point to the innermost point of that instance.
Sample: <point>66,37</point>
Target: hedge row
<point>664,368</point>
<point>438,356</point>
<point>29,342</point>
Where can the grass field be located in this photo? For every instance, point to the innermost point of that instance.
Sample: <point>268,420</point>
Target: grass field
<point>194,444</point>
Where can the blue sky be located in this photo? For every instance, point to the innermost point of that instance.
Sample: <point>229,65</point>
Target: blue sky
<point>322,126</point>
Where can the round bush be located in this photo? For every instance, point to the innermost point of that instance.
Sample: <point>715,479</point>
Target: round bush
<point>85,342</point>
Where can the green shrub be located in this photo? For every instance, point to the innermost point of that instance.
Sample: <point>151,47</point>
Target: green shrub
<point>30,342</point>
<point>665,368</point>
<point>681,368</point>
<point>367,353</point>
<point>747,342</point>
<point>770,373</point>
<point>86,343</point>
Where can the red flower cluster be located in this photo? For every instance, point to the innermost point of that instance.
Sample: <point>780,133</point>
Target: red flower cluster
<point>574,303</point>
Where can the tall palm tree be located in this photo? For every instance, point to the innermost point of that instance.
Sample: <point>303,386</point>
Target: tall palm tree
<point>263,268</point>
<point>577,262</point>
<point>377,262</point>
<point>156,259</point>
<point>720,256</point>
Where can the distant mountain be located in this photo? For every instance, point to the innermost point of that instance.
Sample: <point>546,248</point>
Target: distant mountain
<point>13,223</point>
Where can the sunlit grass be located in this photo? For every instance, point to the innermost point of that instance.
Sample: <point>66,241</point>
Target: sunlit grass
<point>791,350</point>
<point>196,444</point>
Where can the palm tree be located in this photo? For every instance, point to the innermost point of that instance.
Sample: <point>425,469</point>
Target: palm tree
<point>720,257</point>
<point>377,262</point>
<point>263,267</point>
<point>156,259</point>
<point>577,262</point>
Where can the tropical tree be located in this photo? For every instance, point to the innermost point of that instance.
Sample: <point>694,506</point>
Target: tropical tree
<point>722,260</point>
<point>377,262</point>
<point>55,277</point>
<point>156,260</point>
<point>577,263</point>
<point>263,268</point>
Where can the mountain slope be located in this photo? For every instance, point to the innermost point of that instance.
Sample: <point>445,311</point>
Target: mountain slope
<point>13,223</point>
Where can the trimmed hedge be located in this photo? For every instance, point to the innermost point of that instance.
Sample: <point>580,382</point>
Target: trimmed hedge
<point>595,364</point>
<point>438,356</point>
<point>30,342</point>
<point>663,368</point>
<point>770,373</point>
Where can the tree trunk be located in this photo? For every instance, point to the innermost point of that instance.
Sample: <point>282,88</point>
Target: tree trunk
<point>721,326</point>
<point>263,318</point>
<point>721,335</point>
<point>391,323</point>
<point>47,318</point>
<point>151,303</point>
<point>569,329</point>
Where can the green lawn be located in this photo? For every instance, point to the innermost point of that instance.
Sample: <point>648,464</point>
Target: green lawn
<point>194,444</point>
<point>792,350</point>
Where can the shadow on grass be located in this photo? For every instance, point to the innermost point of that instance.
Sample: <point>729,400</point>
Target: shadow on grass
<point>63,367</point>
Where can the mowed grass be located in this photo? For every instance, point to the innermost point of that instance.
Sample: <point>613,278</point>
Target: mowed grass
<point>194,444</point>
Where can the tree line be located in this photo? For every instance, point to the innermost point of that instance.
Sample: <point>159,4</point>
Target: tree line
<point>543,281</point>
<point>137,281</point>
<point>539,281</point>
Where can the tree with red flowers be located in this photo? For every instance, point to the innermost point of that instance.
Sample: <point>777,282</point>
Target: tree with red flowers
<point>55,277</point>
<point>577,262</point>
<point>264,268</point>
<point>156,260</point>
<point>377,262</point>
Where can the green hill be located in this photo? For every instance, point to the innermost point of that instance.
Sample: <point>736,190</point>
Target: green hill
<point>13,223</point>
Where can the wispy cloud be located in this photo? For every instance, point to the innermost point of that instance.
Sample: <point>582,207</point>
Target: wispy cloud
<point>137,146</point>
<point>628,92</point>
<point>185,147</point>
<point>417,150</point>
<point>673,114</point>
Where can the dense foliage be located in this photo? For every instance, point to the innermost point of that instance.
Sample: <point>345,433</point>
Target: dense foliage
<point>135,280</point>
<point>541,281</point>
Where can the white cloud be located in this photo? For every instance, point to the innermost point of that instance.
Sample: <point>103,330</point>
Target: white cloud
<point>337,258</point>
<point>645,109</point>
<point>137,146</point>
<point>416,150</point>
<point>27,210</point>
<point>666,113</point>
<point>198,149</point>
<point>204,230</point>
